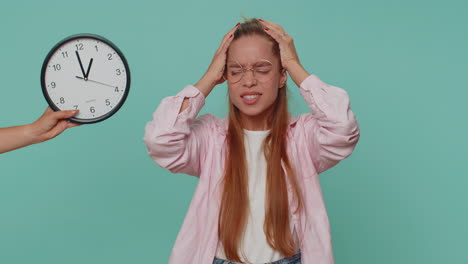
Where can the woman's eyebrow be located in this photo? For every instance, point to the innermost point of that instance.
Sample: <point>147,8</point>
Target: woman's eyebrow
<point>254,64</point>
<point>262,63</point>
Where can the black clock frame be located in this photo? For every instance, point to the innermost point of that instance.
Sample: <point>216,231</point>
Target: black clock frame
<point>81,36</point>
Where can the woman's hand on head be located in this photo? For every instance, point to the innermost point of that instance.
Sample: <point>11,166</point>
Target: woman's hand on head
<point>288,52</point>
<point>289,59</point>
<point>51,124</point>
<point>214,74</point>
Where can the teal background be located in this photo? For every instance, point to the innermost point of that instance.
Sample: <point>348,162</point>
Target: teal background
<point>93,195</point>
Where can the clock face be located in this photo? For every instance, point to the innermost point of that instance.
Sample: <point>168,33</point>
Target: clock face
<point>88,73</point>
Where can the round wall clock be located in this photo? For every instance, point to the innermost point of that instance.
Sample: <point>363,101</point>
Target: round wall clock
<point>86,72</point>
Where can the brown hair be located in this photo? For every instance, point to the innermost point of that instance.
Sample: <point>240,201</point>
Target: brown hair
<point>235,201</point>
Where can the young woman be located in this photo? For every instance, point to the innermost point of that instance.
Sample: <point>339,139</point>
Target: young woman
<point>48,126</point>
<point>258,199</point>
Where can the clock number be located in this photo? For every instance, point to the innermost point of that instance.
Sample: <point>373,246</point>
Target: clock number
<point>62,100</point>
<point>65,54</point>
<point>79,46</point>
<point>96,47</point>
<point>92,109</point>
<point>57,67</point>
<point>107,102</point>
<point>76,107</point>
<point>116,89</point>
<point>109,56</point>
<point>53,85</point>
<point>118,72</point>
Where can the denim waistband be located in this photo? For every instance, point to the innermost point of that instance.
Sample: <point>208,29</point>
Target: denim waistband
<point>295,259</point>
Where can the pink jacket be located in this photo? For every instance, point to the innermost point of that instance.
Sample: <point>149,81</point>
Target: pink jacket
<point>317,141</point>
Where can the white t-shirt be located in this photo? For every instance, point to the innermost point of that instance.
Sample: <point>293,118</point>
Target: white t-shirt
<point>254,244</point>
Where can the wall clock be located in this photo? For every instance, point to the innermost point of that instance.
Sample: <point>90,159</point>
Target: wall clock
<point>86,72</point>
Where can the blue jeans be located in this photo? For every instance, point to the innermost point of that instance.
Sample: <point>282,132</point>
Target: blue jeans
<point>295,259</point>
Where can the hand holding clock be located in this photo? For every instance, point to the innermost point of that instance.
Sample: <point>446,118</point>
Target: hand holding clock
<point>62,92</point>
<point>48,126</point>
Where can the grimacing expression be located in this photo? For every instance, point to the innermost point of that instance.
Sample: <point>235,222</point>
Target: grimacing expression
<point>257,90</point>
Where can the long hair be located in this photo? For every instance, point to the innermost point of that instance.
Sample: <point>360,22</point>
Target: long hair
<point>235,201</point>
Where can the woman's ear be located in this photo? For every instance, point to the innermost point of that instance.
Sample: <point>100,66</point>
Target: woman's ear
<point>283,78</point>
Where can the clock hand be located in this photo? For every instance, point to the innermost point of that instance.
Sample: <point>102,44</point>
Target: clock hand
<point>89,68</point>
<point>94,81</point>
<point>81,66</point>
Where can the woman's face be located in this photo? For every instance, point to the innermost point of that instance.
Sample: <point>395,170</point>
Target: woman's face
<point>256,92</point>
